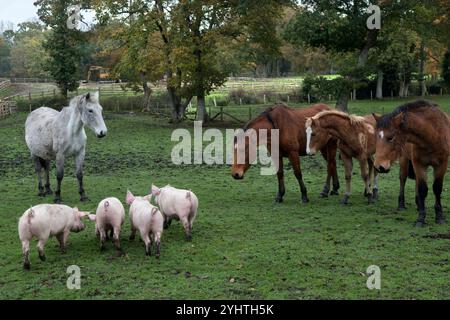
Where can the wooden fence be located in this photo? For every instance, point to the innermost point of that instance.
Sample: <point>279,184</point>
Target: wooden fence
<point>7,108</point>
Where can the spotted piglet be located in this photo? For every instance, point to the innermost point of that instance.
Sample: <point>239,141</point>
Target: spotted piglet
<point>147,219</point>
<point>46,220</point>
<point>177,204</point>
<point>110,216</point>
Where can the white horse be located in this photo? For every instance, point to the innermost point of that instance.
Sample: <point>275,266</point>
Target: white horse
<point>53,135</point>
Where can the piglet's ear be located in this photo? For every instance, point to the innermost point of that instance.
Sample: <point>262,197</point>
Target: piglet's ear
<point>155,190</point>
<point>130,197</point>
<point>92,217</point>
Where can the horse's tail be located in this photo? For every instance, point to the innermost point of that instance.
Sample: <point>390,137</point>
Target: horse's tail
<point>411,172</point>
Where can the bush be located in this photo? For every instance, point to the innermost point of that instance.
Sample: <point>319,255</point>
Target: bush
<point>54,102</point>
<point>236,96</point>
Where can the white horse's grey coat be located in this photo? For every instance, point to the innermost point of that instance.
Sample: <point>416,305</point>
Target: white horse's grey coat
<point>53,135</point>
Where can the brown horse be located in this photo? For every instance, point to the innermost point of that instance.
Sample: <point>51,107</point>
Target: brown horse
<point>292,144</point>
<point>427,129</point>
<point>356,139</point>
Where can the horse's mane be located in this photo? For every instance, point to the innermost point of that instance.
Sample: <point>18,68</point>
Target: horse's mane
<point>385,121</point>
<point>265,113</point>
<point>354,119</point>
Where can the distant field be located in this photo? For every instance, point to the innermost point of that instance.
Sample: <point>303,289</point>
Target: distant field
<point>244,245</point>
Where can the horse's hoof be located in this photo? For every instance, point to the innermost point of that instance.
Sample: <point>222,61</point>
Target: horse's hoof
<point>401,208</point>
<point>42,257</point>
<point>305,200</point>
<point>189,238</point>
<point>278,200</point>
<point>419,224</point>
<point>334,193</point>
<point>57,201</point>
<point>26,265</point>
<point>132,238</point>
<point>84,199</point>
<point>323,195</point>
<point>48,192</point>
<point>345,201</point>
<point>375,194</point>
<point>370,199</point>
<point>441,221</point>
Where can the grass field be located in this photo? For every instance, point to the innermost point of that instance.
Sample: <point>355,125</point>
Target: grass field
<point>244,245</point>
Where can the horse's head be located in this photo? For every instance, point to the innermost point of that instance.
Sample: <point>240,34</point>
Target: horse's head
<point>390,141</point>
<point>316,136</point>
<point>91,113</point>
<point>244,153</point>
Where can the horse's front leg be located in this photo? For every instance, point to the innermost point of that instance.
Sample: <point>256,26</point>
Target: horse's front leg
<point>421,192</point>
<point>79,159</point>
<point>439,173</point>
<point>404,164</point>
<point>60,159</point>
<point>280,176</point>
<point>295,162</point>
<point>348,167</point>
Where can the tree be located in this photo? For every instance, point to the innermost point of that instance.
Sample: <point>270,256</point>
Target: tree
<point>63,45</point>
<point>5,57</point>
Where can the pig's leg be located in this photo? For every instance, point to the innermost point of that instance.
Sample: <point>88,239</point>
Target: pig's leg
<point>187,227</point>
<point>38,170</point>
<point>40,247</point>
<point>48,190</point>
<point>79,159</point>
<point>62,244</point>
<point>116,237</point>
<point>59,176</point>
<point>102,239</point>
<point>26,254</point>
<point>148,243</point>
<point>158,244</point>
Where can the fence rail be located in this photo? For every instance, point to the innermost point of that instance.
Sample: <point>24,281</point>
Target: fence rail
<point>4,84</point>
<point>7,108</point>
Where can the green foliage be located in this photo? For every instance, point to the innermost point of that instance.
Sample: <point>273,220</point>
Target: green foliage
<point>321,88</point>
<point>5,57</point>
<point>63,45</point>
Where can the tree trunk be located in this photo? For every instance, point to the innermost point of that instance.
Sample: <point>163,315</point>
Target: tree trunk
<point>201,107</point>
<point>422,85</point>
<point>342,101</point>
<point>380,79</point>
<point>147,92</point>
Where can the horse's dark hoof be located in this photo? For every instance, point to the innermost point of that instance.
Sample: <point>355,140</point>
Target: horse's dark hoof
<point>48,192</point>
<point>323,195</point>
<point>57,200</point>
<point>375,194</point>
<point>419,224</point>
<point>166,225</point>
<point>305,199</point>
<point>132,238</point>
<point>84,199</point>
<point>401,208</point>
<point>188,238</point>
<point>42,257</point>
<point>440,221</point>
<point>278,200</point>
<point>345,201</point>
<point>334,193</point>
<point>370,199</point>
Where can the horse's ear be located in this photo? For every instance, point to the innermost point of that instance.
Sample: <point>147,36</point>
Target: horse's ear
<point>88,96</point>
<point>376,116</point>
<point>399,121</point>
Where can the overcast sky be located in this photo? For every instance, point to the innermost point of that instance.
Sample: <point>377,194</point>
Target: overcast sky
<point>17,11</point>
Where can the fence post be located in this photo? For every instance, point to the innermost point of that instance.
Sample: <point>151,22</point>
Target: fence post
<point>29,100</point>
<point>215,102</point>
<point>288,98</point>
<point>249,113</point>
<point>221,113</point>
<point>309,98</point>
<point>264,98</point>
<point>371,95</point>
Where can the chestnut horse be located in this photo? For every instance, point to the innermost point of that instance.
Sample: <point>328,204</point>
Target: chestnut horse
<point>292,144</point>
<point>356,139</point>
<point>427,129</point>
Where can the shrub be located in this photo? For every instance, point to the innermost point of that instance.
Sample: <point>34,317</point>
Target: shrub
<point>238,95</point>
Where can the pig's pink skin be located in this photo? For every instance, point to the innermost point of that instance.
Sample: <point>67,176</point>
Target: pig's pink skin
<point>46,220</point>
<point>147,219</point>
<point>177,204</point>
<point>110,216</point>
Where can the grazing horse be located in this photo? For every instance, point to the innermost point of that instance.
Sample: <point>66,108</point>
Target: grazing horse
<point>53,135</point>
<point>356,139</point>
<point>292,142</point>
<point>427,129</point>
